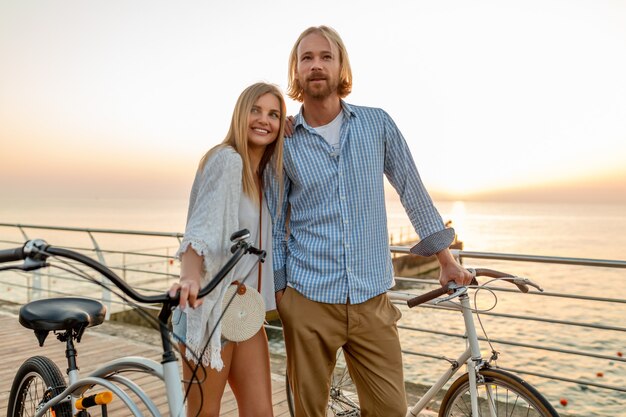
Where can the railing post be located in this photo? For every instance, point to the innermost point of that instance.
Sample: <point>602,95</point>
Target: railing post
<point>124,266</point>
<point>35,289</point>
<point>106,294</point>
<point>167,262</point>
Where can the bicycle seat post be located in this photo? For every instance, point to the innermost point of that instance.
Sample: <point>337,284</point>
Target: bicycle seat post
<point>71,354</point>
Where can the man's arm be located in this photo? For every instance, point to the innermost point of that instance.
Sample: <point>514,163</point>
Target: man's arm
<point>277,200</point>
<point>402,173</point>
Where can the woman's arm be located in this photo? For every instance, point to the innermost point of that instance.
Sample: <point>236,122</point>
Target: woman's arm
<point>212,217</point>
<point>191,270</point>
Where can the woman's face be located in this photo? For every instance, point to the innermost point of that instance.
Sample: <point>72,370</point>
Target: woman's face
<point>264,121</point>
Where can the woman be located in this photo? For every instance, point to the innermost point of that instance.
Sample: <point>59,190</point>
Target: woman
<point>226,197</point>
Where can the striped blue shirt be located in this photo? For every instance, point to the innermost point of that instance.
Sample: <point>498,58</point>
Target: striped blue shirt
<point>337,250</point>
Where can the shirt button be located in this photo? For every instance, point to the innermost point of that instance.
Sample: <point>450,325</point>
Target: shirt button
<point>343,197</point>
<point>345,222</point>
<point>348,269</point>
<point>347,245</point>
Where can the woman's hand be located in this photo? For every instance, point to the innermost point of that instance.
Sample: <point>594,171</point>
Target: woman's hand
<point>189,288</point>
<point>190,277</point>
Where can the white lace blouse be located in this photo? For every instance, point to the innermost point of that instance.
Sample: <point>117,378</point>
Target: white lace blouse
<point>217,209</point>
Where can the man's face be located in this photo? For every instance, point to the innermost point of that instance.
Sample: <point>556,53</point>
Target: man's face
<point>318,66</point>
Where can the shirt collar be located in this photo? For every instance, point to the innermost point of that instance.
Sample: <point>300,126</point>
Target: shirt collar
<point>345,108</point>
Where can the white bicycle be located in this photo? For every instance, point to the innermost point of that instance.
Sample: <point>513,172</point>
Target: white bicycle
<point>39,388</point>
<point>483,391</point>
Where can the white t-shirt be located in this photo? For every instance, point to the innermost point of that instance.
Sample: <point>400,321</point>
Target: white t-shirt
<point>248,265</point>
<point>331,131</point>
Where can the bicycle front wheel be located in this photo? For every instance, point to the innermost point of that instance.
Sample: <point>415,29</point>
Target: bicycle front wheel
<point>499,394</point>
<point>37,381</point>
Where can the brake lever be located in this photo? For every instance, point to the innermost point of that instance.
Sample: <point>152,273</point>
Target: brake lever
<point>28,265</point>
<point>458,291</point>
<point>33,264</point>
<point>260,253</point>
<point>527,281</point>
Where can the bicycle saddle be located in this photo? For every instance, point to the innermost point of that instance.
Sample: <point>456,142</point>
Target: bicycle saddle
<point>54,314</point>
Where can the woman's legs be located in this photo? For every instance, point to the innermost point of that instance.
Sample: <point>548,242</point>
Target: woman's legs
<point>208,393</point>
<point>247,370</point>
<point>250,377</point>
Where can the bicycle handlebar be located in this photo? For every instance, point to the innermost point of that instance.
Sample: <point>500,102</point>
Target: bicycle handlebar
<point>39,250</point>
<point>521,283</point>
<point>12,255</point>
<point>430,295</point>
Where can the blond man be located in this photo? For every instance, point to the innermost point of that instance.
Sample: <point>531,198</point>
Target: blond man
<point>333,268</point>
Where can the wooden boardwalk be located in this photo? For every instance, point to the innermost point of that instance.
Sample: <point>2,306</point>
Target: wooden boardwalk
<point>17,344</point>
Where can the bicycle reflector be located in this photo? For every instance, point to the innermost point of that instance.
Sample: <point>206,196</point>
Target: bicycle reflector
<point>100,398</point>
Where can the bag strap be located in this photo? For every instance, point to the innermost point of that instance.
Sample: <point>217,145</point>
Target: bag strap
<point>242,288</point>
<point>260,236</point>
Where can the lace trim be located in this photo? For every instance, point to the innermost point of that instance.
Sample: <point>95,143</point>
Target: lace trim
<point>200,247</point>
<point>212,355</point>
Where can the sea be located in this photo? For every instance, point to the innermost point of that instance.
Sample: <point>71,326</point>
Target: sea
<point>590,230</point>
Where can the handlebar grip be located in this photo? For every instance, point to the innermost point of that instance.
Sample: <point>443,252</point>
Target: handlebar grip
<point>484,272</point>
<point>503,276</point>
<point>431,295</point>
<point>11,255</point>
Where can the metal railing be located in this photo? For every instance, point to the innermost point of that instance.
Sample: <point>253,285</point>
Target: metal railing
<point>612,330</point>
<point>148,269</point>
<point>152,268</point>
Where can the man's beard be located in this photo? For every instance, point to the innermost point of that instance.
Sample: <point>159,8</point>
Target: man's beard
<point>321,92</point>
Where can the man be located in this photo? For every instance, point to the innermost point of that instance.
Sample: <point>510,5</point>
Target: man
<point>333,267</point>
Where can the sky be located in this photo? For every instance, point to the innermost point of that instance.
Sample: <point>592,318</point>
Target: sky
<point>501,100</point>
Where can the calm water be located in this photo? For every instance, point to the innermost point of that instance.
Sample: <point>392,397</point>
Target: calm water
<point>586,231</point>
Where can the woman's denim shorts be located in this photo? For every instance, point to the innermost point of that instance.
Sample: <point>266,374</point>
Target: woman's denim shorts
<point>179,327</point>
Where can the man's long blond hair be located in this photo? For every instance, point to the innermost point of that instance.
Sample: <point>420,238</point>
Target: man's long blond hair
<point>237,137</point>
<point>295,90</point>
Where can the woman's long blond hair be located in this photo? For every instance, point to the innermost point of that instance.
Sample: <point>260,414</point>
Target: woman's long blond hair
<point>237,137</point>
<point>295,90</point>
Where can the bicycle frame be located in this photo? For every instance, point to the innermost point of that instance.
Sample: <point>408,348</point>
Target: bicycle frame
<point>471,356</point>
<point>35,253</point>
<point>102,376</point>
<point>167,371</point>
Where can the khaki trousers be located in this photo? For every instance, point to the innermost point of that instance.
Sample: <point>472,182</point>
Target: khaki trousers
<point>367,333</point>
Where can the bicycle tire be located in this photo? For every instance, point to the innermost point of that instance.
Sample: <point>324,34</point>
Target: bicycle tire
<point>343,400</point>
<point>513,397</point>
<point>37,380</point>
<point>292,410</point>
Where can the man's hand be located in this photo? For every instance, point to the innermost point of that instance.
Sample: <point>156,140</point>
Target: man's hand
<point>451,270</point>
<point>289,126</point>
<point>279,296</point>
